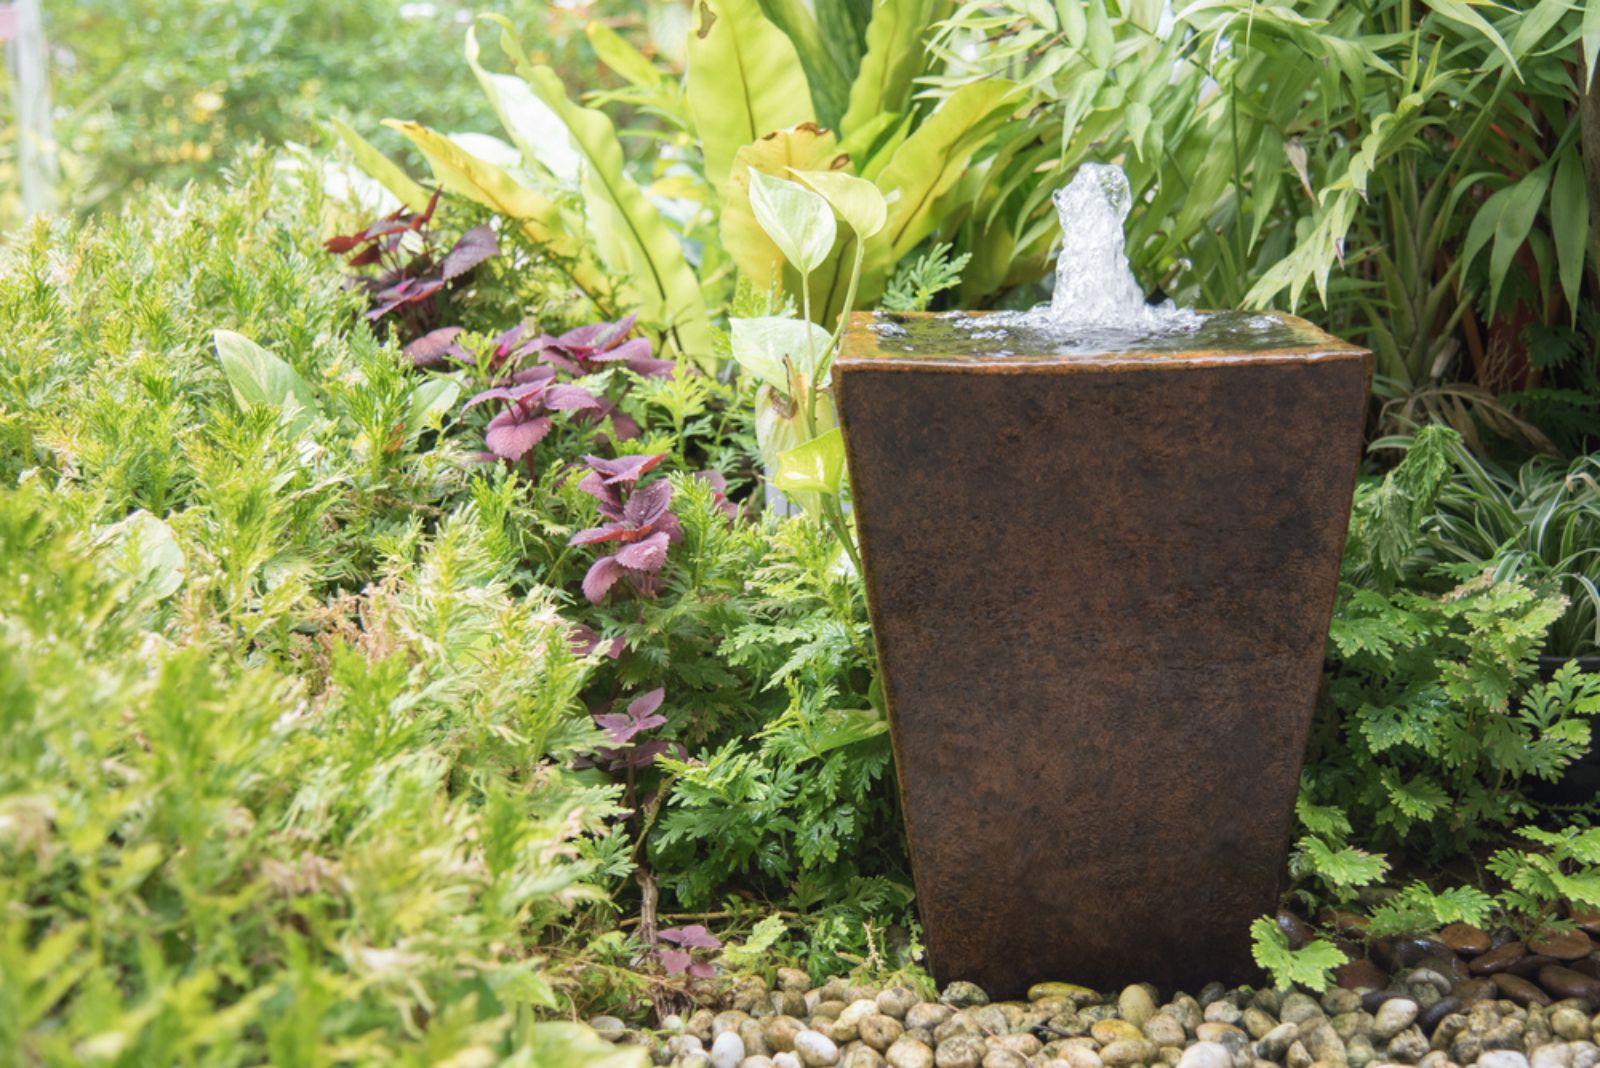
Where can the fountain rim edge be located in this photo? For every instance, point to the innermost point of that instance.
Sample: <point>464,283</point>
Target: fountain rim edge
<point>861,351</point>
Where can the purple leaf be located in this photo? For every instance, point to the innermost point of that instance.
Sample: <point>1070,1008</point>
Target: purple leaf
<point>565,398</point>
<point>695,936</point>
<point>510,437</point>
<point>647,555</point>
<point>602,575</point>
<point>675,961</point>
<point>648,503</point>
<point>623,468</point>
<point>474,246</point>
<point>584,641</point>
<point>643,707</point>
<point>431,348</point>
<point>596,535</point>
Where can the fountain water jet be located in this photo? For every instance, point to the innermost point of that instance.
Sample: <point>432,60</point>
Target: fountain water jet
<point>1100,554</point>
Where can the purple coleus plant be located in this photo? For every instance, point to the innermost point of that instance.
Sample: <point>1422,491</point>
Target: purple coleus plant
<point>410,274</point>
<point>637,520</point>
<point>591,348</point>
<point>525,419</point>
<point>680,961</point>
<point>621,728</point>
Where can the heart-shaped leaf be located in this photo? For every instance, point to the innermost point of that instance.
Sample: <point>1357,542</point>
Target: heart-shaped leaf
<point>764,347</point>
<point>799,221</point>
<point>815,467</point>
<point>859,203</point>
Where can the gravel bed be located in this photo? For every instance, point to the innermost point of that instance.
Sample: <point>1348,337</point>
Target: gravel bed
<point>1421,1002</point>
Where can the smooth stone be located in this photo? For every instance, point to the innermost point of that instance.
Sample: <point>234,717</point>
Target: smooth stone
<point>1298,931</point>
<point>1360,975</point>
<point>1519,990</point>
<point>1589,965</point>
<point>1373,999</point>
<point>961,1051</point>
<point>786,1060</point>
<point>608,1027</point>
<point>1127,1051</point>
<point>700,1023</point>
<point>1225,1033</point>
<point>859,1056</point>
<point>1585,1054</point>
<point>727,1021</point>
<point>816,1050</point>
<point>858,1010</point>
<point>1429,1020</point>
<point>1502,1058</point>
<point>1164,1030</point>
<point>681,1045</point>
<point>963,994</point>
<point>1276,1042</point>
<point>1498,959</point>
<point>691,1060</point>
<point>1337,1000</point>
<point>1106,1032</point>
<point>757,1060</point>
<point>828,1008</point>
<point>896,1001</point>
<point>1298,1008</point>
<point>1206,1055</point>
<point>1529,966</point>
<point>1563,945</point>
<point>1004,1058</point>
<point>1566,983</point>
<point>1393,1016</point>
<point>1297,1057</point>
<point>1223,1011</point>
<point>1256,1022</point>
<point>1435,1059</point>
<point>928,1014</point>
<point>1022,1043</point>
<point>880,1031</point>
<point>1136,1005</point>
<point>1552,1055</point>
<point>1474,990</point>
<point>779,1031</point>
<point>1420,977</point>
<point>1465,939</point>
<point>1586,919</point>
<point>909,1053</point>
<point>727,1051</point>
<point>1408,1047</point>
<point>1323,1043</point>
<point>1079,1057</point>
<point>755,1039</point>
<point>1570,1024</point>
<point>796,979</point>
<point>1359,1053</point>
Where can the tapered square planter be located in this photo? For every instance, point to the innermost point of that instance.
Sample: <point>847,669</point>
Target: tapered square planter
<point>1101,588</point>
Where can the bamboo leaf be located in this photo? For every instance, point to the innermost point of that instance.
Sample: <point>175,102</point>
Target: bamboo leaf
<point>1522,205</point>
<point>744,81</point>
<point>1569,222</point>
<point>1462,13</point>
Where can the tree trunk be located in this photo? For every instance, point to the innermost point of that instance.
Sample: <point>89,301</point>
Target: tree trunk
<point>27,55</point>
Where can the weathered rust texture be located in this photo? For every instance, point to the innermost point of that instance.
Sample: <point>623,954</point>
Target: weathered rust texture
<point>1101,591</point>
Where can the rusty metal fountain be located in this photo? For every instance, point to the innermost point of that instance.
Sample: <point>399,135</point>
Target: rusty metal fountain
<point>1101,543</point>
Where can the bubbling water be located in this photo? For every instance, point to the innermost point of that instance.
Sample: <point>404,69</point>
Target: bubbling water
<point>1096,300</point>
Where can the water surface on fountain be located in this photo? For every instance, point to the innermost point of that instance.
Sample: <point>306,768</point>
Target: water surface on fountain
<point>1097,307</point>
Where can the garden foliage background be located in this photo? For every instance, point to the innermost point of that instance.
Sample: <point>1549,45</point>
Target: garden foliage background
<point>396,665</point>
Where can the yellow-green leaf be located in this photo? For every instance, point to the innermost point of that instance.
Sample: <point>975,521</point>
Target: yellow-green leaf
<point>815,467</point>
<point>856,200</point>
<point>929,161</point>
<point>384,170</point>
<point>798,220</point>
<point>896,54</point>
<point>806,147</point>
<point>744,81</point>
<point>632,233</point>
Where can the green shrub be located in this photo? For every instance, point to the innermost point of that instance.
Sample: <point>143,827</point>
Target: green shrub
<point>286,773</point>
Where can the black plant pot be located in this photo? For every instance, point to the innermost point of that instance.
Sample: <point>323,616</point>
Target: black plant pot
<point>1580,783</point>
